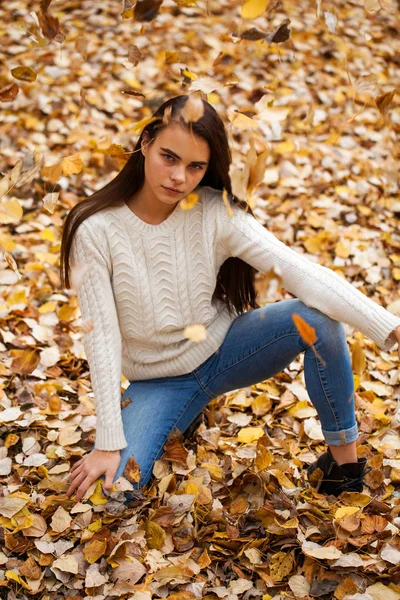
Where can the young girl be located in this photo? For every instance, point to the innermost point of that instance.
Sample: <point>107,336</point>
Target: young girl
<point>154,268</point>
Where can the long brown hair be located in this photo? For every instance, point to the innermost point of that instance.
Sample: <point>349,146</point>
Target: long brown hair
<point>235,281</point>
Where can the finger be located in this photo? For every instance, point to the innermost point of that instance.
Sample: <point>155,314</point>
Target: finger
<point>109,480</point>
<point>75,474</point>
<point>75,465</point>
<point>86,483</point>
<point>76,483</point>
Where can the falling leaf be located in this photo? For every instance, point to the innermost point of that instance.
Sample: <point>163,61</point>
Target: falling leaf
<point>384,101</point>
<point>196,333</point>
<point>189,201</point>
<point>8,92</point>
<point>72,164</point>
<point>24,73</point>
<point>330,20</point>
<point>194,108</point>
<point>306,331</point>
<point>252,9</point>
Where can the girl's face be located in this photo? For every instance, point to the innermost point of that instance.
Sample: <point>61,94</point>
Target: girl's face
<point>175,159</point>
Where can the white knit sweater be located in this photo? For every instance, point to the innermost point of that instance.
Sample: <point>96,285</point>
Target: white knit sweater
<point>145,283</point>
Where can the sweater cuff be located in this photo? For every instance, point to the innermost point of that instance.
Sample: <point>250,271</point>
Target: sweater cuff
<point>379,330</point>
<point>110,438</point>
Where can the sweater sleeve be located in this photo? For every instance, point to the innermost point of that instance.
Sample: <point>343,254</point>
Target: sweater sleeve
<point>319,287</point>
<point>103,342</point>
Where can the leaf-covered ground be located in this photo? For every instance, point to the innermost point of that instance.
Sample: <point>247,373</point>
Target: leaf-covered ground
<point>307,92</point>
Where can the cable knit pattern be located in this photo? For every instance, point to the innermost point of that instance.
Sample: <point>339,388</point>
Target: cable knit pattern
<point>146,283</point>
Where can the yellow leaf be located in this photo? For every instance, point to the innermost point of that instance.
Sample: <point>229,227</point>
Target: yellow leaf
<point>94,550</point>
<point>95,525</point>
<point>17,578</point>
<point>285,147</point>
<point>291,524</point>
<point>47,307</point>
<point>189,201</point>
<point>302,410</point>
<point>17,298</point>
<point>396,273</point>
<point>281,565</point>
<point>53,172</point>
<point>263,458</point>
<point>72,165</point>
<point>253,8</point>
<point>346,510</point>
<point>191,488</point>
<point>342,250</point>
<point>281,477</point>
<point>97,497</point>
<point>115,150</point>
<point>261,405</point>
<point>215,471</point>
<point>358,359</point>
<point>197,333</point>
<point>155,535</point>
<point>243,121</point>
<point>26,362</point>
<point>247,435</point>
<point>10,211</point>
<point>24,73</point>
<point>142,124</point>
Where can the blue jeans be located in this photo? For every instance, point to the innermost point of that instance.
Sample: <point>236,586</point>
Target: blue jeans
<point>259,344</point>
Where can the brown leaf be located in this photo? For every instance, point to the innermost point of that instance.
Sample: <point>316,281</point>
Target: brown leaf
<point>50,25</point>
<point>279,34</point>
<point>146,10</point>
<point>384,101</point>
<point>175,451</point>
<point>8,92</point>
<point>132,470</point>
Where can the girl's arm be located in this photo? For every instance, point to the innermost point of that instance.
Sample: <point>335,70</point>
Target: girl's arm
<point>103,342</point>
<point>317,286</point>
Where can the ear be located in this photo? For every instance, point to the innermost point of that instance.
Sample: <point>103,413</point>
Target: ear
<point>144,143</point>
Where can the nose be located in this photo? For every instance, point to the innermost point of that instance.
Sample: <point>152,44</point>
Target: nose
<point>178,175</point>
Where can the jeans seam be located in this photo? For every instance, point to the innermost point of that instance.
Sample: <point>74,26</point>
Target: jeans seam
<point>328,400</point>
<point>172,428</point>
<point>246,357</point>
<point>204,388</point>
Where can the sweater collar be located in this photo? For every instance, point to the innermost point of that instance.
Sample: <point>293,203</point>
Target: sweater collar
<point>169,224</point>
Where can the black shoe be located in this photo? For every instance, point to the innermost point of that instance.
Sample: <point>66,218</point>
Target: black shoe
<point>193,426</point>
<point>336,479</point>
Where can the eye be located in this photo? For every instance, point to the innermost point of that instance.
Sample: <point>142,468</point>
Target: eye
<point>196,167</point>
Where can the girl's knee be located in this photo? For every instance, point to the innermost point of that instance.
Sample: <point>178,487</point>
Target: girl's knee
<point>326,328</point>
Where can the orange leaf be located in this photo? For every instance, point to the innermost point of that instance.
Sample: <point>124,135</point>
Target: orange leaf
<point>306,331</point>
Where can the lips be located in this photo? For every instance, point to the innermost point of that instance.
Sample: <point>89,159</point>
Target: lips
<point>171,189</point>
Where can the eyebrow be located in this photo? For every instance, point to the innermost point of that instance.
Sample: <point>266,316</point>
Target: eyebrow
<point>196,162</point>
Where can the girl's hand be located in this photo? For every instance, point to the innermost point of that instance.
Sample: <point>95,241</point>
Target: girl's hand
<point>396,333</point>
<point>90,468</point>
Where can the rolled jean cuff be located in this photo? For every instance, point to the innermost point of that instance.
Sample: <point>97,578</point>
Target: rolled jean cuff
<point>339,438</point>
